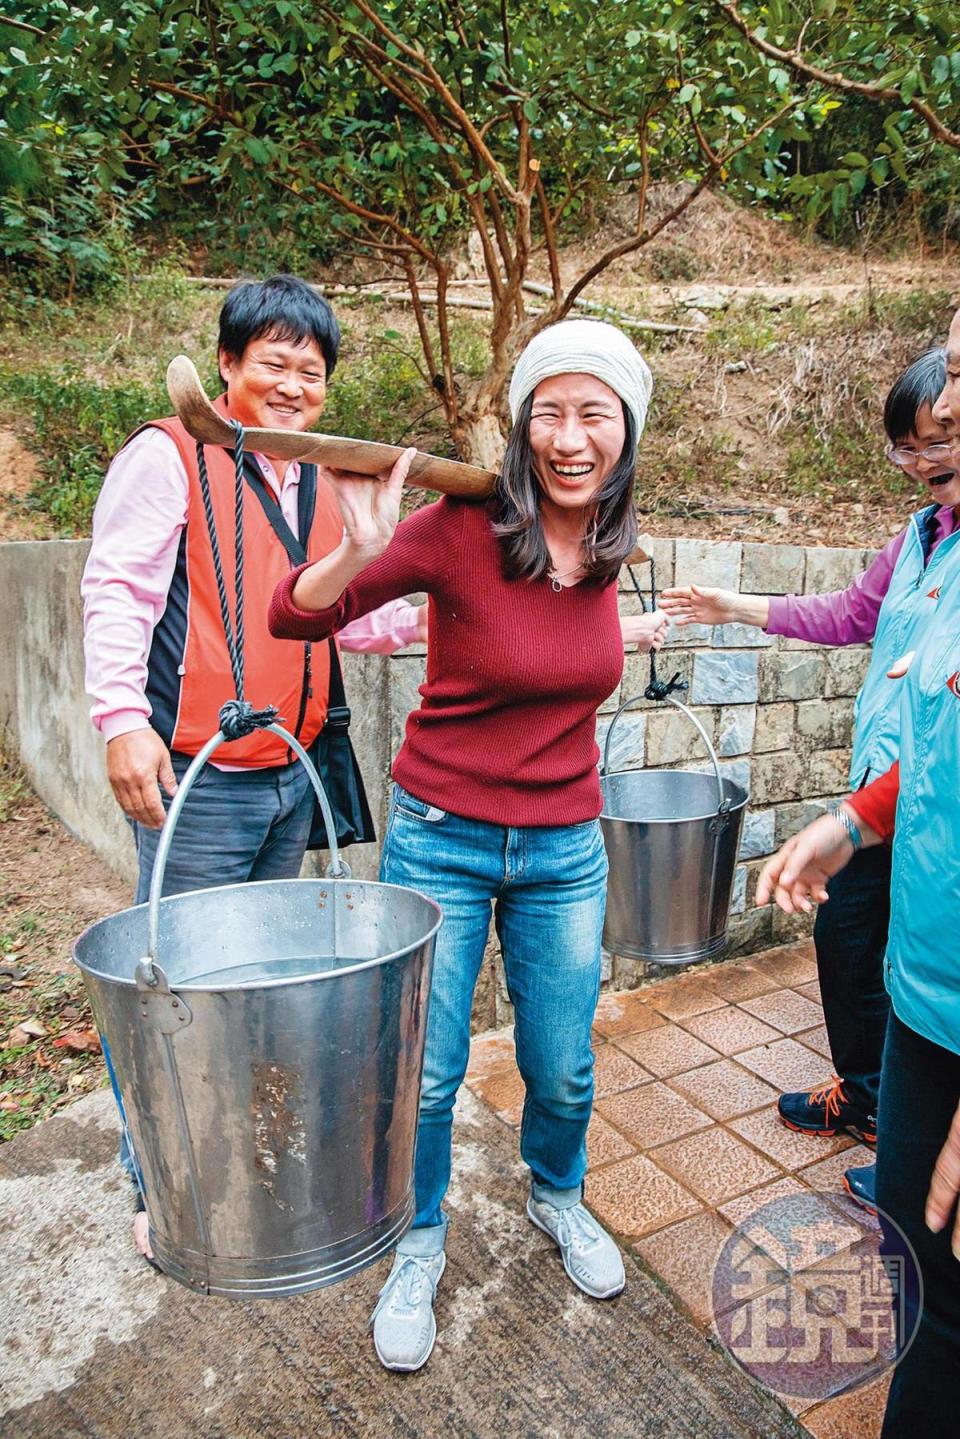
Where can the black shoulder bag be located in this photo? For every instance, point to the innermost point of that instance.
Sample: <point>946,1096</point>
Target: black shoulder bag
<point>331,752</point>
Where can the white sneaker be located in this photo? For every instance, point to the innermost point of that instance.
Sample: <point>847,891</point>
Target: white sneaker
<point>404,1327</point>
<point>590,1257</point>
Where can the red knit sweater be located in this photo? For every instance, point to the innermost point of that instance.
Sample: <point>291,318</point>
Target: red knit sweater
<point>515,672</point>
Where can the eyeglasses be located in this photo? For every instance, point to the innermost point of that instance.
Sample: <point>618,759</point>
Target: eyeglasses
<point>944,450</point>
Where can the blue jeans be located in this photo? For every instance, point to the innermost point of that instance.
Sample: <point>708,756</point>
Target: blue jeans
<point>235,826</point>
<point>548,890</point>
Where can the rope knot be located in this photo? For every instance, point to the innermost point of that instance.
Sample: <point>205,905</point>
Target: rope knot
<point>238,718</point>
<point>660,689</point>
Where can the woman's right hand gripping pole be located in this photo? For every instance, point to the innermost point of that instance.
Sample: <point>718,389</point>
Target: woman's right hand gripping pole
<point>370,507</point>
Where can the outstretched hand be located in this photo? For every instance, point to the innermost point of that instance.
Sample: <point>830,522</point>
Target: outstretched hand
<point>696,605</point>
<point>795,878</point>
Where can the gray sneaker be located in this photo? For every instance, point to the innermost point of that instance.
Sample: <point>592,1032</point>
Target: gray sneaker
<point>590,1256</point>
<point>404,1329</point>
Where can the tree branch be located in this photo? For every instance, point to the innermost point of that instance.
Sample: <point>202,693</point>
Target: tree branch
<point>443,92</point>
<point>833,80</point>
<point>21,25</point>
<point>550,239</point>
<point>636,242</point>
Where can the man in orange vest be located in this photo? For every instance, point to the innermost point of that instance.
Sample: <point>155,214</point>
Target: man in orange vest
<point>157,663</point>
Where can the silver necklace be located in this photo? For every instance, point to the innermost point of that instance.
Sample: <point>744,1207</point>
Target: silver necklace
<point>555,579</point>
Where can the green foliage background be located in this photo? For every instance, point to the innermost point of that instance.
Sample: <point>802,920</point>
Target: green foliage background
<point>246,127</point>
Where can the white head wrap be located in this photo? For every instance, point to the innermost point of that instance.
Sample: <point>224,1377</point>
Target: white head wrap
<point>585,347</point>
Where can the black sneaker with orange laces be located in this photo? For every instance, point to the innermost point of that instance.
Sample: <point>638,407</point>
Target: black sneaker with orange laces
<point>827,1111</point>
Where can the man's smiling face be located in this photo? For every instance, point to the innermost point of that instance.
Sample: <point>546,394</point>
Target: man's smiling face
<point>276,384</point>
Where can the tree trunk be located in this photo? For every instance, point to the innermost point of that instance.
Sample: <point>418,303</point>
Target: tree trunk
<point>479,438</point>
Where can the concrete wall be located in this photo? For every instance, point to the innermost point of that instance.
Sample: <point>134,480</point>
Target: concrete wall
<point>779,711</point>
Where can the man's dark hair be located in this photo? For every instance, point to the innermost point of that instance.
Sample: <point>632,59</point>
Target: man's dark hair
<point>518,524</point>
<point>281,308</point>
<point>920,384</point>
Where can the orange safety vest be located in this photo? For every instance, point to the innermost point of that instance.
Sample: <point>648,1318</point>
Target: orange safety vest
<point>188,671</point>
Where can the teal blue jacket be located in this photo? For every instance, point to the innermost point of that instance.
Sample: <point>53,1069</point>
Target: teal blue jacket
<point>923,948</point>
<point>909,605</point>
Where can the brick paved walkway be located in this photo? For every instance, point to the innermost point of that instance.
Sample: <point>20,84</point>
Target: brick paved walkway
<point>685,1142</point>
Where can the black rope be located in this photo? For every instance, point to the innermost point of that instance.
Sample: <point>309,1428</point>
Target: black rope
<point>657,689</point>
<point>238,717</point>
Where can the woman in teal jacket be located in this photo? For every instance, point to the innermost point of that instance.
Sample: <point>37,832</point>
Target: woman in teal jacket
<point>918,802</point>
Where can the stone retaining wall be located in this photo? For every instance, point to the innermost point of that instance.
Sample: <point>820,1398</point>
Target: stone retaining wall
<point>778,711</point>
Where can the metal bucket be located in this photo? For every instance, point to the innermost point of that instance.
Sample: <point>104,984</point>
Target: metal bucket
<point>269,1072</point>
<point>672,839</point>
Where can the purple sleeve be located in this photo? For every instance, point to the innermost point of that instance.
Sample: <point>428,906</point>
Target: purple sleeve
<point>840,617</point>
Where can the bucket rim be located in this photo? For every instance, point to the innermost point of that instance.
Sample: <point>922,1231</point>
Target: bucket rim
<point>186,987</point>
<point>735,807</point>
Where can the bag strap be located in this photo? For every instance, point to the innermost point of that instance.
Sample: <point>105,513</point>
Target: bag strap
<point>338,711</point>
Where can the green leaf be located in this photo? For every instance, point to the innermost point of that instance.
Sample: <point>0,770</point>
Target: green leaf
<point>256,149</point>
<point>854,158</point>
<point>839,198</point>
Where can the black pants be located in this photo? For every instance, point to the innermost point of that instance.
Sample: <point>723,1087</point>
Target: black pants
<point>918,1099</point>
<point>850,937</point>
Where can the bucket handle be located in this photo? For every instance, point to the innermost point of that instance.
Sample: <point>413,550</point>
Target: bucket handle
<point>723,804</point>
<point>148,971</point>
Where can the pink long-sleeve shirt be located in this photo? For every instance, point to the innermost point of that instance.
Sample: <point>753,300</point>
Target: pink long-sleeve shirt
<point>137,522</point>
<point>849,617</point>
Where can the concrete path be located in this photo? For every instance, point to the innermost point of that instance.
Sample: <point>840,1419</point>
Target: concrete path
<point>93,1343</point>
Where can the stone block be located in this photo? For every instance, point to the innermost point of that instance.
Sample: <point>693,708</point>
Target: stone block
<point>829,569</point>
<point>672,739</point>
<point>758,836</point>
<point>750,931</point>
<point>844,671</point>
<point>725,677</point>
<point>736,770</point>
<point>738,894</point>
<point>708,562</point>
<point>407,674</point>
<point>636,674</point>
<point>790,927</point>
<point>630,603</point>
<point>484,1010</point>
<point>773,569</point>
<point>774,728</point>
<point>606,966</point>
<point>689,636</point>
<point>786,642</point>
<point>732,637</point>
<point>793,817</point>
<point>627,747</point>
<point>785,675</point>
<point>628,973</point>
<point>778,776</point>
<point>825,724</point>
<point>662,551</point>
<point>736,729</point>
<point>825,772</point>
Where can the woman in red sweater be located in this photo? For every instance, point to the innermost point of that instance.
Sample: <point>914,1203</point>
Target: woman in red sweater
<point>497,794</point>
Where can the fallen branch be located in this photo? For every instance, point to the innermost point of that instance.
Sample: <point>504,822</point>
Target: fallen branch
<point>375,290</point>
